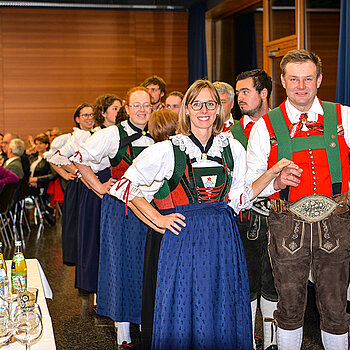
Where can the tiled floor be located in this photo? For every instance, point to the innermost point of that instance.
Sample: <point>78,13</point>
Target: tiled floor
<point>76,325</point>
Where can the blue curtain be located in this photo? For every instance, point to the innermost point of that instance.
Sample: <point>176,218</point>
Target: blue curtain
<point>245,43</point>
<point>197,51</point>
<point>343,80</point>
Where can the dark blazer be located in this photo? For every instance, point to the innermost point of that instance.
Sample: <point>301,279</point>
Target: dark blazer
<point>16,167</point>
<point>43,171</point>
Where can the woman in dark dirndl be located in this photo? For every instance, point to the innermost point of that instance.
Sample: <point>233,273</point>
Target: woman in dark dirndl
<point>202,297</point>
<point>61,149</point>
<point>122,238</point>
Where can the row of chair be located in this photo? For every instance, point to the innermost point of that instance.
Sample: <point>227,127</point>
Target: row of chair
<point>13,199</point>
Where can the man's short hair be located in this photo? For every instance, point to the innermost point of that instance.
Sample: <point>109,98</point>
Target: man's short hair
<point>176,93</point>
<point>155,80</point>
<point>223,88</point>
<point>261,80</point>
<point>300,56</point>
<point>17,147</point>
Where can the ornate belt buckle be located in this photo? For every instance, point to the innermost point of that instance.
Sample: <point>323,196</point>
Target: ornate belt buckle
<point>277,205</point>
<point>313,208</point>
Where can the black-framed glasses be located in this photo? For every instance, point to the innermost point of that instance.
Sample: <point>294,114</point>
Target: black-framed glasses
<point>87,115</point>
<point>197,105</point>
<point>146,106</point>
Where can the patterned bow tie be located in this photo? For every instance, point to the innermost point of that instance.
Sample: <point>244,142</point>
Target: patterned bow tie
<point>248,129</point>
<point>227,126</point>
<point>295,128</point>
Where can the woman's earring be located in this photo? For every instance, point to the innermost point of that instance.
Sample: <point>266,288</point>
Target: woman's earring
<point>217,115</point>
<point>187,115</point>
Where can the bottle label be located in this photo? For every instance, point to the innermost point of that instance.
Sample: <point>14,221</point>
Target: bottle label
<point>19,282</point>
<point>18,258</point>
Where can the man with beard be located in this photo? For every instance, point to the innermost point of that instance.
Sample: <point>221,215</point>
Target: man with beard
<point>253,89</point>
<point>156,87</point>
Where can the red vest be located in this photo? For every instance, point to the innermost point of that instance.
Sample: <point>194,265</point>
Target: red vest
<point>315,178</point>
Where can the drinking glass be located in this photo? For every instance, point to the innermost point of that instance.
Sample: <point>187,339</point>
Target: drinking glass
<point>5,326</point>
<point>27,327</point>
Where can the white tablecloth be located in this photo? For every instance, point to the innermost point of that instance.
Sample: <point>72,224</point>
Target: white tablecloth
<point>47,339</point>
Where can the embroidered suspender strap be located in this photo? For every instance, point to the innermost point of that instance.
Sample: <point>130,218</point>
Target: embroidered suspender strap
<point>228,164</point>
<point>284,140</point>
<point>332,145</point>
<point>189,184</point>
<point>122,149</point>
<point>164,191</point>
<point>180,167</point>
<point>227,156</point>
<point>238,134</point>
<point>328,141</point>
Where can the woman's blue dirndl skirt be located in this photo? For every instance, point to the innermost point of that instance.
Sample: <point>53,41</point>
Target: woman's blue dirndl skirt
<point>121,262</point>
<point>89,236</point>
<point>70,219</point>
<point>202,298</point>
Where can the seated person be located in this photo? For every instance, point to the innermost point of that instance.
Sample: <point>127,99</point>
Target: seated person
<point>41,173</point>
<point>6,177</point>
<point>15,151</point>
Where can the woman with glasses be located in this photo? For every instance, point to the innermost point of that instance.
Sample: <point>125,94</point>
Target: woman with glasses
<point>83,241</point>
<point>61,149</point>
<point>122,239</point>
<point>202,297</point>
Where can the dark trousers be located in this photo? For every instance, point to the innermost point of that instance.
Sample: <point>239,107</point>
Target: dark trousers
<point>258,260</point>
<point>324,247</point>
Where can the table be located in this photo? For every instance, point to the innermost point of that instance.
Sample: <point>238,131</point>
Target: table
<point>47,339</point>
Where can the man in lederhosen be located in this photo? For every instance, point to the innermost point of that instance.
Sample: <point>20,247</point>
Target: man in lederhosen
<point>309,222</point>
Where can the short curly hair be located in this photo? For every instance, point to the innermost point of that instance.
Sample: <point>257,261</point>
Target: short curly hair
<point>101,105</point>
<point>155,80</point>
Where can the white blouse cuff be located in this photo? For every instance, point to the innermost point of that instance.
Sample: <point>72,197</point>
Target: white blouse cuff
<point>78,158</point>
<point>125,191</point>
<point>246,197</point>
<point>59,159</point>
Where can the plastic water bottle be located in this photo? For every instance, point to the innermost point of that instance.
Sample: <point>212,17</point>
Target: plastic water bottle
<point>4,286</point>
<point>2,257</point>
<point>18,270</point>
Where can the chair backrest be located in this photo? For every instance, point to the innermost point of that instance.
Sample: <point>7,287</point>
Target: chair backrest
<point>21,190</point>
<point>6,196</point>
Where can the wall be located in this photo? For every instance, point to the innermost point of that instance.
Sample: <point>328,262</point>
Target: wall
<point>52,60</point>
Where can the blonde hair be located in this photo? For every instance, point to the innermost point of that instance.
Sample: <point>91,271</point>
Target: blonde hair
<point>191,94</point>
<point>162,124</point>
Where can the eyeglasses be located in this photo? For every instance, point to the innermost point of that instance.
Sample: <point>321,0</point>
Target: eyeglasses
<point>146,106</point>
<point>87,115</point>
<point>197,106</point>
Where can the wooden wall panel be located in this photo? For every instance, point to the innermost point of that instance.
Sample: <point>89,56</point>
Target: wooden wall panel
<point>323,40</point>
<point>163,51</point>
<point>52,60</point>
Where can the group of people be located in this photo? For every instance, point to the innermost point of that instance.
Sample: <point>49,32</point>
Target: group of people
<point>181,219</point>
<point>33,174</point>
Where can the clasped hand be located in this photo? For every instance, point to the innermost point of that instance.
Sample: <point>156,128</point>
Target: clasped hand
<point>287,174</point>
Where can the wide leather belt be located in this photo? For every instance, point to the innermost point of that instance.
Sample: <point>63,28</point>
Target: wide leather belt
<point>312,208</point>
